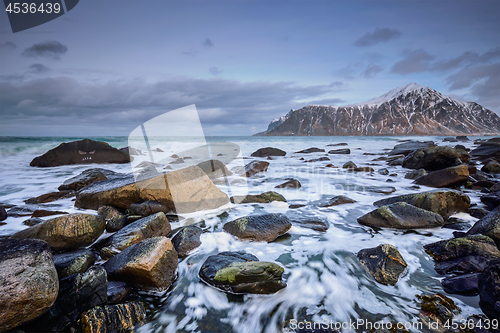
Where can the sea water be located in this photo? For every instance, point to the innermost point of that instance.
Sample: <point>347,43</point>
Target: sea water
<point>325,281</point>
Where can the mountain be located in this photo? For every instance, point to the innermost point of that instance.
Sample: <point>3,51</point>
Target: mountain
<point>407,110</point>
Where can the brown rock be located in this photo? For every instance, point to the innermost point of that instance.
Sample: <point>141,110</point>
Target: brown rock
<point>113,318</point>
<point>49,197</point>
<point>445,177</point>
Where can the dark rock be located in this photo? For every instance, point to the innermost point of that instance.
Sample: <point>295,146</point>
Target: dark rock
<point>340,151</point>
<point>394,162</point>
<point>442,202</point>
<point>151,262</point>
<point>491,167</point>
<point>130,151</point>
<point>255,167</point>
<point>384,263</point>
<point>108,212</point>
<point>446,177</point>
<point>87,177</point>
<point>337,144</point>
<point>114,318</point>
<point>19,211</point>
<point>489,226</point>
<point>3,213</point>
<point>487,150</point>
<point>321,159</point>
<point>380,189</point>
<point>268,151</point>
<point>158,150</point>
<point>462,147</point>
<point>310,150</point>
<point>463,138</point>
<point>401,215</point>
<point>478,213</point>
<point>331,166</point>
<point>466,284</point>
<point>67,231</point>
<point>364,169</point>
<point>116,223</point>
<point>43,213</point>
<point>410,146</point>
<point>80,152</point>
<point>437,309</point>
<point>147,208</point>
<point>349,165</point>
<point>214,169</point>
<point>313,223</point>
<point>490,200</point>
<point>495,187</point>
<point>32,221</point>
<point>449,139</point>
<point>151,226</point>
<point>484,183</point>
<point>292,183</point>
<point>240,272</point>
<point>265,197</point>
<point>49,197</point>
<point>118,291</point>
<point>489,290</point>
<point>383,172</point>
<point>435,158</point>
<point>29,283</point>
<point>333,201</point>
<point>73,262</point>
<point>133,218</point>
<point>260,228</point>
<point>187,239</point>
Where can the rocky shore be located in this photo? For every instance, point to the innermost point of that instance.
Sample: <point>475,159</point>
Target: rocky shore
<point>77,272</point>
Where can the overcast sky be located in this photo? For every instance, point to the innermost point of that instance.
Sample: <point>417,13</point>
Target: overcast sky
<point>105,67</point>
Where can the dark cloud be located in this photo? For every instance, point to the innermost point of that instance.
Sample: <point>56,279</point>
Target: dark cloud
<point>467,58</point>
<point>378,36</point>
<point>415,61</point>
<point>39,68</point>
<point>207,43</point>
<point>372,70</point>
<point>8,45</point>
<point>215,71</point>
<point>49,49</point>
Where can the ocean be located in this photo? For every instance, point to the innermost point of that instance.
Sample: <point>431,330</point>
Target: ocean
<point>325,281</point>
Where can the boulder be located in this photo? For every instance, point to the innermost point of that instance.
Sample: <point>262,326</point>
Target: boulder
<point>67,231</point>
<point>487,150</point>
<point>3,213</point>
<point>340,151</point>
<point>116,223</point>
<point>185,190</point>
<point>214,169</point>
<point>151,226</point>
<point>292,183</point>
<point>147,208</point>
<point>32,221</point>
<point>492,167</point>
<point>333,201</point>
<point>489,226</point>
<point>467,284</point>
<point>435,158</point>
<point>29,283</point>
<point>406,148</point>
<point>349,165</point>
<point>384,263</point>
<point>114,318</point>
<point>490,200</point>
<point>118,291</point>
<point>260,228</point>
<point>321,159</point>
<point>108,212</point>
<point>450,139</point>
<point>80,152</point>
<point>187,239</point>
<point>268,151</point>
<point>151,262</point>
<point>254,168</point>
<point>265,197</point>
<point>240,272</point>
<point>489,290</point>
<point>85,178</point>
<point>313,223</point>
<point>364,169</point>
<point>437,310</point>
<point>478,213</point>
<point>44,213</point>
<point>70,263</point>
<point>310,150</point>
<point>383,171</point>
<point>401,215</point>
<point>446,177</point>
<point>442,202</point>
<point>49,197</point>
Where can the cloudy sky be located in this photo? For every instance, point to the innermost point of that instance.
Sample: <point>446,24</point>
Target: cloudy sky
<point>105,67</point>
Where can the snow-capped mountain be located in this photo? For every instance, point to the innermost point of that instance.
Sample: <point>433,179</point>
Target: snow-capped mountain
<point>407,110</point>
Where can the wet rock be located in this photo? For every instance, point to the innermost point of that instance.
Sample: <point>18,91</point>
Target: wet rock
<point>349,165</point>
<point>462,138</point>
<point>450,139</point>
<point>467,284</point>
<point>487,150</point>
<point>379,189</point>
<point>70,263</point>
<point>147,208</point>
<point>29,283</point>
<point>478,213</point>
<point>292,183</point>
<point>32,221</point>
<point>401,215</point>
<point>118,291</point>
<point>489,226</point>
<point>340,151</point>
<point>66,232</point>
<point>187,240</point>
<point>80,152</point>
<point>116,223</point>
<point>108,212</point>
<point>406,148</point>
<point>446,177</point>
<point>462,147</point>
<point>321,159</point>
<point>254,168</point>
<point>484,183</point>
<point>151,226</point>
<point>383,172</point>
<point>49,197</point>
<point>259,228</point>
<point>44,213</point>
<point>151,262</point>
<point>310,150</point>
<point>364,169</point>
<point>384,263</point>
<point>214,169</point>
<point>333,201</point>
<point>437,308</point>
<point>435,158</point>
<point>490,200</point>
<point>313,223</point>
<point>114,318</point>
<point>337,144</point>
<point>185,190</point>
<point>19,211</point>
<point>489,290</point>
<point>268,151</point>
<point>491,167</point>
<point>442,202</point>
<point>331,166</point>
<point>3,213</point>
<point>240,272</point>
<point>265,197</point>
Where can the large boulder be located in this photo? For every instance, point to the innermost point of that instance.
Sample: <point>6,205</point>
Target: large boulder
<point>466,284</point>
<point>268,151</point>
<point>435,158</point>
<point>113,318</point>
<point>187,240</point>
<point>384,263</point>
<point>492,167</point>
<point>310,150</point>
<point>29,283</point>
<point>67,231</point>
<point>340,151</point>
<point>487,150</point>
<point>80,152</point>
<point>260,228</point>
<point>240,272</point>
<point>265,197</point>
<point>151,226</point>
<point>489,226</point>
<point>185,190</point>
<point>152,263</point>
<point>214,169</point>
<point>408,147</point>
<point>446,177</point>
<point>74,262</point>
<point>489,290</point>
<point>85,178</point>
<point>442,202</point>
<point>254,168</point>
<point>401,215</point>
<point>49,197</point>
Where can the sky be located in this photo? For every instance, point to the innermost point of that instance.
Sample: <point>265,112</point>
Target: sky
<point>105,67</point>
